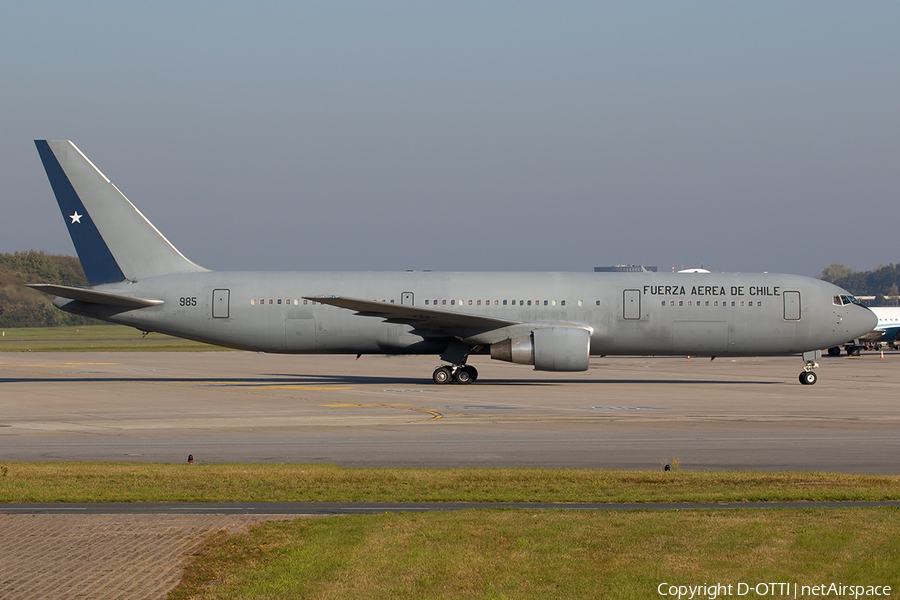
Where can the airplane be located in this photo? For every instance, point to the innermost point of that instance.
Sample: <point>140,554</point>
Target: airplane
<point>552,321</point>
<point>886,331</point>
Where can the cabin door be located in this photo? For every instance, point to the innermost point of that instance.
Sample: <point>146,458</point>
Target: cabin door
<point>220,304</point>
<point>791,306</point>
<point>632,310</point>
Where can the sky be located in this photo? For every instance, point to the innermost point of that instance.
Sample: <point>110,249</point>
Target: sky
<point>471,136</point>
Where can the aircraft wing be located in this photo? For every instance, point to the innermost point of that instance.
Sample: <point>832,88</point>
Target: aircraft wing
<point>434,322</point>
<point>94,296</point>
<point>421,318</point>
<point>872,336</point>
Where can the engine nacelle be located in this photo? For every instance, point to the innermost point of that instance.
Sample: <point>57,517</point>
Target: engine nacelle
<point>551,349</point>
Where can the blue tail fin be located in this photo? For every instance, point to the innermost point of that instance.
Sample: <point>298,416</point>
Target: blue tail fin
<point>114,241</point>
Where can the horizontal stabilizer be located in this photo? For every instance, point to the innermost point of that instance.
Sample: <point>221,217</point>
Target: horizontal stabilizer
<point>94,296</point>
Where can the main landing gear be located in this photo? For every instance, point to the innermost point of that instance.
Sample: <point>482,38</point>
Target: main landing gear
<point>463,374</point>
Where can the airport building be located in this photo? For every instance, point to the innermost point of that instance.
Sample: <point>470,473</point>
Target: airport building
<point>625,269</point>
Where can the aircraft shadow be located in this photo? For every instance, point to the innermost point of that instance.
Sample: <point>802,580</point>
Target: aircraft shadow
<point>299,379</point>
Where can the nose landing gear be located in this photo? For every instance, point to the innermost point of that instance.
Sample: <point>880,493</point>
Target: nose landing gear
<point>807,377</point>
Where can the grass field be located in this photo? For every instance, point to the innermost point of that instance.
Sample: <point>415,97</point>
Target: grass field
<point>501,553</point>
<point>548,554</point>
<point>94,338</point>
<point>154,482</point>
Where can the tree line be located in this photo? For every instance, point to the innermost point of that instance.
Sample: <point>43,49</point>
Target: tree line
<point>23,307</point>
<point>883,282</point>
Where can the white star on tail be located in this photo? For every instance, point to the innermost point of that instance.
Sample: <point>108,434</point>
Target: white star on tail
<point>76,218</point>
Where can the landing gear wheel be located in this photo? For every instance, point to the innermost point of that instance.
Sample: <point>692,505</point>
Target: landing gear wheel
<point>473,372</point>
<point>808,378</point>
<point>464,376</point>
<point>442,375</point>
<point>836,351</point>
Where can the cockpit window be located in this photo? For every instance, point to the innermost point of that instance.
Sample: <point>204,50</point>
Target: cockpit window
<point>845,299</point>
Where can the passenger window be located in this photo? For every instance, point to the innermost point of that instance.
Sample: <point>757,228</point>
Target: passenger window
<point>426,303</point>
<point>453,303</point>
<point>496,302</point>
<point>598,303</point>
<point>444,302</point>
<point>707,303</point>
<point>689,303</point>
<point>715,302</point>
<point>504,303</point>
<point>529,303</point>
<point>553,303</point>
<point>732,302</point>
<point>663,302</point>
<point>270,301</point>
<point>681,303</point>
<point>470,303</point>
<point>562,302</point>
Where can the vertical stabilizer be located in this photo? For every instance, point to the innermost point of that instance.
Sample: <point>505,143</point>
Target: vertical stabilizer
<point>114,241</point>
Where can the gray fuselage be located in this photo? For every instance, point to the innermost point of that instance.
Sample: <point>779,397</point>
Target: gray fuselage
<point>717,314</point>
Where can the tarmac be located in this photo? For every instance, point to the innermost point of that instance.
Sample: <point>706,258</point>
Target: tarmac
<point>625,412</point>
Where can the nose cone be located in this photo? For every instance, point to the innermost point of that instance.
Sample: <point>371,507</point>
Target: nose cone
<point>860,320</point>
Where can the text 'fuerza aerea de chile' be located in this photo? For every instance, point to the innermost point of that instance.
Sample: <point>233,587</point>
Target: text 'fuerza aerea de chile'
<point>712,290</point>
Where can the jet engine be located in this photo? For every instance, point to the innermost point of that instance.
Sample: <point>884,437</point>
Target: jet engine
<point>551,349</point>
